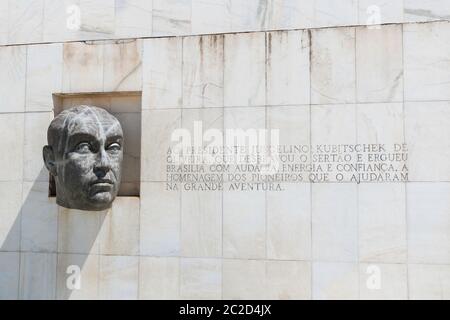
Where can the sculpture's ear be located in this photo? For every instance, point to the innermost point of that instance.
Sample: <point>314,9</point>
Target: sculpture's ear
<point>49,159</point>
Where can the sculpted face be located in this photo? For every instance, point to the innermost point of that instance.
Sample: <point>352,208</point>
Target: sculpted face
<point>84,154</point>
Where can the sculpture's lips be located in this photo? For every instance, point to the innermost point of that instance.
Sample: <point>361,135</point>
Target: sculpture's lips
<point>102,182</point>
<point>101,186</point>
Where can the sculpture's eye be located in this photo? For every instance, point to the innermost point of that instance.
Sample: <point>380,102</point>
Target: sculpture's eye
<point>83,147</point>
<point>114,147</point>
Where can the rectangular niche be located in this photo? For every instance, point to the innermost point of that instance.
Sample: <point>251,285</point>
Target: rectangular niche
<point>126,107</point>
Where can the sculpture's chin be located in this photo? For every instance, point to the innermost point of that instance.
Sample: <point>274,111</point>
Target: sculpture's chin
<point>101,198</point>
<point>98,203</point>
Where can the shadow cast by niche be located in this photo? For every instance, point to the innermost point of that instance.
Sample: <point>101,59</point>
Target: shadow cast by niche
<point>52,244</point>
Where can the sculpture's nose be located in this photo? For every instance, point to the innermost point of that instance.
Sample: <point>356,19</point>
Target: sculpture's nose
<point>102,166</point>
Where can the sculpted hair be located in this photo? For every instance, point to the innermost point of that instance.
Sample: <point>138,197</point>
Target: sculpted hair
<point>58,128</point>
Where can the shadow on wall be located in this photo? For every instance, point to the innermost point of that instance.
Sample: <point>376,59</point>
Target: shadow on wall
<point>48,246</point>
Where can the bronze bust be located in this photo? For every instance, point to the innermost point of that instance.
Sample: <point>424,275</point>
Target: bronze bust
<point>84,154</point>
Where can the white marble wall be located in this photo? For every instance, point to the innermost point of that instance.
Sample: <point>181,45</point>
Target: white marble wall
<point>311,241</point>
<point>37,21</point>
